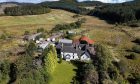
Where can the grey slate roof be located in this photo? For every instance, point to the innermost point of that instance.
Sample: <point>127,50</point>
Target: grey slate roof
<point>68,49</point>
<point>31,37</point>
<point>87,54</point>
<point>65,41</point>
<point>79,52</point>
<point>59,46</point>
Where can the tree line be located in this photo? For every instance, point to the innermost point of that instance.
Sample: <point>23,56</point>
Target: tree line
<point>104,69</point>
<point>118,13</point>
<point>66,5</point>
<point>26,10</point>
<point>26,70</point>
<point>41,8</point>
<point>74,25</point>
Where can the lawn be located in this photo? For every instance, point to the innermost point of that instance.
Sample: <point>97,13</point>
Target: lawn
<point>63,73</point>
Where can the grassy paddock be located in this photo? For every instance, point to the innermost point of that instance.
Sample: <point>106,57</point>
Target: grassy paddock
<point>18,24</point>
<point>63,73</point>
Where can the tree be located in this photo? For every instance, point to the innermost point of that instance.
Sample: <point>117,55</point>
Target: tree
<point>137,79</point>
<point>104,57</point>
<point>136,49</point>
<point>26,10</point>
<point>4,72</point>
<point>50,59</point>
<point>28,73</point>
<point>54,53</point>
<point>121,65</point>
<point>31,48</point>
<point>113,72</point>
<point>137,40</point>
<point>61,59</point>
<point>120,13</point>
<point>13,73</point>
<point>103,61</point>
<point>90,75</point>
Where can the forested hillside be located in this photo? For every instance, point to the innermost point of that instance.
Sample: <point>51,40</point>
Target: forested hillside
<point>114,13</point>
<point>69,5</point>
<point>26,10</point>
<point>66,5</point>
<point>120,13</point>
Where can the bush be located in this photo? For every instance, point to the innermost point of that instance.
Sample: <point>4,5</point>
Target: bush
<point>113,72</point>
<point>89,74</point>
<point>135,79</point>
<point>4,72</point>
<point>40,30</point>
<point>60,61</point>
<point>69,36</point>
<point>122,67</point>
<point>3,37</point>
<point>74,25</point>
<point>137,40</point>
<point>133,56</point>
<point>26,33</point>
<point>31,48</point>
<point>136,49</point>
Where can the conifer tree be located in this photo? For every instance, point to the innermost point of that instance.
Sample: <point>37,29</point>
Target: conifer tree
<point>50,59</point>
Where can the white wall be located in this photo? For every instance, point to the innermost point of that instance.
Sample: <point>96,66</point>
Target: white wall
<point>74,56</point>
<point>84,57</point>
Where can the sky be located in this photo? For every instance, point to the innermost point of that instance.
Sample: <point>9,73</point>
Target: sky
<point>38,1</point>
<point>108,1</point>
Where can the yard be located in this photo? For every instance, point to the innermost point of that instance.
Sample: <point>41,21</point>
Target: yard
<point>63,73</point>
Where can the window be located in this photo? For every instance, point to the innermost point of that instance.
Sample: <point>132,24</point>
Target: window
<point>67,56</point>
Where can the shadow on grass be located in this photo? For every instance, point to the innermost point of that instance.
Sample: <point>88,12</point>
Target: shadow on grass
<point>78,78</point>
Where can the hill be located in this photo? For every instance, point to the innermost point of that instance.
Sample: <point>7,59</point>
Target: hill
<point>4,5</point>
<point>119,39</point>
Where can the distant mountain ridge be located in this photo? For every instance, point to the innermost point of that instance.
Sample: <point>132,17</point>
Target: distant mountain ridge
<point>39,1</point>
<point>107,1</point>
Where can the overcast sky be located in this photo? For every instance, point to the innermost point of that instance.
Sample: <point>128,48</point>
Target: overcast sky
<point>38,1</point>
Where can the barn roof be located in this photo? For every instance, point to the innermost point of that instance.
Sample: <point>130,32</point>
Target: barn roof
<point>88,40</point>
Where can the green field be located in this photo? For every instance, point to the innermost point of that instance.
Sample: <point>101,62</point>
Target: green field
<point>63,73</point>
<point>18,24</point>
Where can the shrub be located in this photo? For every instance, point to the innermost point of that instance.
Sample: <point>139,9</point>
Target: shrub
<point>26,33</point>
<point>136,49</point>
<point>90,75</point>
<point>31,48</point>
<point>137,40</point>
<point>40,30</point>
<point>122,67</point>
<point>113,72</point>
<point>134,79</point>
<point>4,72</point>
<point>13,73</point>
<point>60,61</point>
<point>3,37</point>
<point>74,25</point>
<point>133,56</point>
